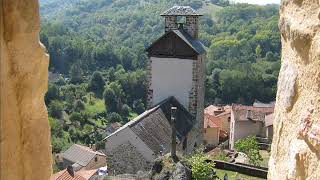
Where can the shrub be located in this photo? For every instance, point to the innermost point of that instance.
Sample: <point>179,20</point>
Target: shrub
<point>55,109</point>
<point>79,106</point>
<point>201,166</point>
<point>250,147</point>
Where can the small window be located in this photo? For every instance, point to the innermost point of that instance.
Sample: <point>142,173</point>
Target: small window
<point>96,159</point>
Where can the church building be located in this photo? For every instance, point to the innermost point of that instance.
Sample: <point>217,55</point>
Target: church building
<point>176,73</point>
<point>176,65</point>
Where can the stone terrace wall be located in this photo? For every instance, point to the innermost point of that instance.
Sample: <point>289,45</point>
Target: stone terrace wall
<point>295,150</point>
<point>25,150</point>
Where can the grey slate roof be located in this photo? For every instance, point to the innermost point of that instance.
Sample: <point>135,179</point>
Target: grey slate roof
<point>195,44</point>
<point>154,128</point>
<point>181,11</point>
<point>80,154</point>
<point>192,42</point>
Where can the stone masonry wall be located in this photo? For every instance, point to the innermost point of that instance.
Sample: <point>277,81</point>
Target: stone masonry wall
<point>25,150</point>
<point>192,25</point>
<point>149,81</point>
<point>126,159</point>
<point>170,23</point>
<point>295,152</point>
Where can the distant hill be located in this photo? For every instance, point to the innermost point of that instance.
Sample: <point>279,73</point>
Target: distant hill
<point>243,41</point>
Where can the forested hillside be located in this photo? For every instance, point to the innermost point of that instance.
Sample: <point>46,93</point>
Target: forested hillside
<point>98,47</point>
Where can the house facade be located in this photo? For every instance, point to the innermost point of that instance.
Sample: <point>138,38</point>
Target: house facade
<point>247,121</point>
<point>216,124</point>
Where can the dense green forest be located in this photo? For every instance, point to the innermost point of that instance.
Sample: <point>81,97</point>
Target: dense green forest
<point>99,48</point>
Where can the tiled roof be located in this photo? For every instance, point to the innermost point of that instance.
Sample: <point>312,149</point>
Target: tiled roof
<point>210,123</point>
<point>154,127</point>
<point>79,175</point>
<point>181,11</point>
<point>245,113</point>
<point>80,154</point>
<point>267,110</point>
<point>217,110</point>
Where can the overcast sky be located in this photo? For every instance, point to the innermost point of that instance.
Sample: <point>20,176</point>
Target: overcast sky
<point>261,2</point>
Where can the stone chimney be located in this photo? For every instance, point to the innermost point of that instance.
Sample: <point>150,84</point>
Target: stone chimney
<point>192,19</point>
<point>70,171</point>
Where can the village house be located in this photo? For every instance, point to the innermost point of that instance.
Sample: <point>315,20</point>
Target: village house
<point>70,173</point>
<point>175,78</point>
<point>248,121</point>
<point>133,147</point>
<point>82,157</point>
<point>83,163</point>
<point>216,124</point>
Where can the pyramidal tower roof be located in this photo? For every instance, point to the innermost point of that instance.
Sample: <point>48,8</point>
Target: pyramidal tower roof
<point>181,11</point>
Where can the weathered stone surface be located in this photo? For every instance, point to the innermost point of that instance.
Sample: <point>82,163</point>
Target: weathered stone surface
<point>125,158</point>
<point>295,152</point>
<point>25,136</point>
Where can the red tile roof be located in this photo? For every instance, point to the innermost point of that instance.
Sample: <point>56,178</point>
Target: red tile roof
<point>245,113</point>
<point>212,115</point>
<point>267,110</point>
<point>79,175</point>
<point>209,122</point>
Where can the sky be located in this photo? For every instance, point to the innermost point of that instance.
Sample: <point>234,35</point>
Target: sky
<point>260,2</point>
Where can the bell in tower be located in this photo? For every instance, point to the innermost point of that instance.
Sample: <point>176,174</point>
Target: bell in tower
<point>190,16</point>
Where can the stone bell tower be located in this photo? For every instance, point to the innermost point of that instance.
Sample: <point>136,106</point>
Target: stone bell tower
<point>190,16</point>
<point>176,64</point>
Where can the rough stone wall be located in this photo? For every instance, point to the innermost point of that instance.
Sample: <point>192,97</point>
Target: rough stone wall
<point>200,95</point>
<point>295,150</point>
<point>125,158</point>
<point>192,25</point>
<point>25,151</point>
<point>170,23</point>
<point>149,83</point>
<point>101,162</point>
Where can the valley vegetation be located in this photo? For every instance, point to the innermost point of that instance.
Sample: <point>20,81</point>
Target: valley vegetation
<point>98,47</point>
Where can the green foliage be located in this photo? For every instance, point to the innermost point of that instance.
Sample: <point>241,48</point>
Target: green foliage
<point>96,107</point>
<point>99,46</point>
<point>75,116</point>
<point>79,106</point>
<point>76,73</point>
<point>96,84</point>
<point>220,156</point>
<point>110,100</point>
<point>55,109</point>
<point>250,147</point>
<point>56,127</point>
<point>202,168</point>
<point>115,117</point>
<point>240,39</point>
<point>53,93</point>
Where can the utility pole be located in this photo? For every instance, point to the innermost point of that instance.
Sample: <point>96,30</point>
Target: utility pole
<point>173,134</point>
